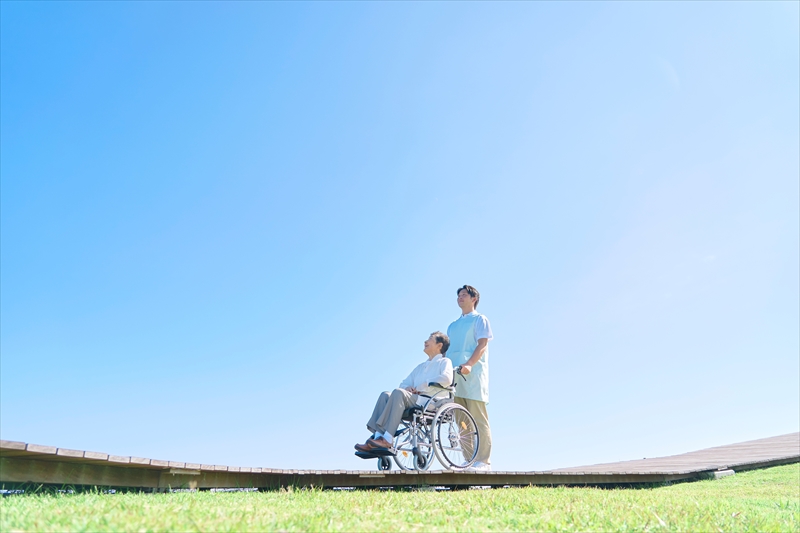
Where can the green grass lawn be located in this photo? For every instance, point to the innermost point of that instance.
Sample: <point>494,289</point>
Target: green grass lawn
<point>761,500</point>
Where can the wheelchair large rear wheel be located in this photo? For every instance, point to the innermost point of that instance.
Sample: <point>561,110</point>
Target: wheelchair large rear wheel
<point>455,437</point>
<point>409,458</point>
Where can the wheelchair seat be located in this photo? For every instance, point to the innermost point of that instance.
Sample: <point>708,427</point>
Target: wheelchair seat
<point>408,414</point>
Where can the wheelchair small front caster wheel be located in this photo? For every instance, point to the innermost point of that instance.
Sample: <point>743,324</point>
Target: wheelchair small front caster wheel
<point>384,463</point>
<point>420,462</point>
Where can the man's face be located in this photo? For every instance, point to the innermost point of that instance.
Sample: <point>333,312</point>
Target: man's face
<point>432,347</point>
<point>464,299</point>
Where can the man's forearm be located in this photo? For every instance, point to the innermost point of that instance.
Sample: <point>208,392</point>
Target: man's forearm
<point>480,349</point>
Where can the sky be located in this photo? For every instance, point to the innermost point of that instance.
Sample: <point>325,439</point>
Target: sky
<point>225,228</point>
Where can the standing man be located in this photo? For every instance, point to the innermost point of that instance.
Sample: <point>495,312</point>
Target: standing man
<point>469,341</point>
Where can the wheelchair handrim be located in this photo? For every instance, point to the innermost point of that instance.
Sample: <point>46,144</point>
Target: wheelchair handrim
<point>452,453</point>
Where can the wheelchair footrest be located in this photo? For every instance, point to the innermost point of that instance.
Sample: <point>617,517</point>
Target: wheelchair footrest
<point>378,452</point>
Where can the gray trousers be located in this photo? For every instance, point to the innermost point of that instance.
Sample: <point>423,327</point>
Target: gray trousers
<point>389,410</point>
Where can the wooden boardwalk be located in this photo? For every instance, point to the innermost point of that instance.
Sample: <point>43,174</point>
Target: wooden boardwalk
<point>33,463</point>
<point>758,453</point>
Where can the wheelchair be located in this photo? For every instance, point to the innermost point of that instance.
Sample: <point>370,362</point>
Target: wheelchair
<point>441,428</point>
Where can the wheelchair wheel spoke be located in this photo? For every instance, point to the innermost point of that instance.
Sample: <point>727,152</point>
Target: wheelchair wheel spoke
<point>455,437</point>
<point>407,458</point>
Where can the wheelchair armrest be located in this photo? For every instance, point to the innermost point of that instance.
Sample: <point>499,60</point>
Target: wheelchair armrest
<point>442,387</point>
<point>444,393</point>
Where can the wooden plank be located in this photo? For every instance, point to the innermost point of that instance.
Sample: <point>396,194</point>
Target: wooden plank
<point>184,471</point>
<point>159,462</point>
<point>38,448</point>
<point>97,456</point>
<point>64,452</point>
<point>176,464</point>
<point>11,445</point>
<point>140,461</point>
<point>119,459</point>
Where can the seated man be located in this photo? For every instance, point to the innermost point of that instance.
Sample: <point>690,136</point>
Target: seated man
<point>390,407</point>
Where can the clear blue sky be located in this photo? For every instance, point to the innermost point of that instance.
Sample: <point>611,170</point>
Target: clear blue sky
<point>226,227</point>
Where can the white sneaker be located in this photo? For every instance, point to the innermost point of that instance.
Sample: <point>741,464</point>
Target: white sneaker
<point>479,466</point>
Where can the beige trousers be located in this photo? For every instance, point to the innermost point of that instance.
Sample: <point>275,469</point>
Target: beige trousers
<point>478,411</point>
<point>389,410</point>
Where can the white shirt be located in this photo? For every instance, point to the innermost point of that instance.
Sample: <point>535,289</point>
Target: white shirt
<point>439,369</point>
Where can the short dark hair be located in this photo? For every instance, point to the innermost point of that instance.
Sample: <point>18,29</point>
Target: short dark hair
<point>443,339</point>
<point>472,291</point>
